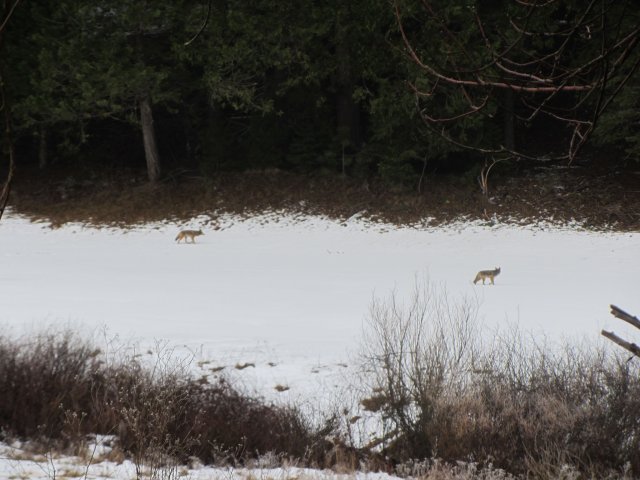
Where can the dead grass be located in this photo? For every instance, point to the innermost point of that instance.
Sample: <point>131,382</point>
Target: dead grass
<point>24,455</point>
<point>126,199</point>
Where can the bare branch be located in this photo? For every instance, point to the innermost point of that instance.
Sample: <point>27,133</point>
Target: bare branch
<point>632,347</point>
<point>8,15</point>
<point>622,315</point>
<point>204,25</point>
<point>483,179</point>
<point>551,81</point>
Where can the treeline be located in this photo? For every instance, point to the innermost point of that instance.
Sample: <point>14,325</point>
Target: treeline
<point>355,87</point>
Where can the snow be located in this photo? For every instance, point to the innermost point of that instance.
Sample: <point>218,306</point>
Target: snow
<point>290,294</point>
<point>18,462</point>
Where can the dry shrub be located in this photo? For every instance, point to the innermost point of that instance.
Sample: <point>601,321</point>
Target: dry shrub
<point>417,353</point>
<point>58,388</point>
<point>42,379</point>
<point>234,427</point>
<point>516,403</point>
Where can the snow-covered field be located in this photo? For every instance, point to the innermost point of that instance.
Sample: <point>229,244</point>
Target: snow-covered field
<point>289,295</point>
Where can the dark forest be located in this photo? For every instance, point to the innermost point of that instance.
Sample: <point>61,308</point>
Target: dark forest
<point>398,94</point>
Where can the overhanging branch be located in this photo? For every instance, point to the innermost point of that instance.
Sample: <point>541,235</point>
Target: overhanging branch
<point>545,78</point>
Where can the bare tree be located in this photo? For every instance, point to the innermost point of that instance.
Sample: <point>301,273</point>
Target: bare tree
<point>417,352</point>
<point>524,61</point>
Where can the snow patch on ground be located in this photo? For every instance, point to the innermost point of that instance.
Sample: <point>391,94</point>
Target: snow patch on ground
<point>18,461</point>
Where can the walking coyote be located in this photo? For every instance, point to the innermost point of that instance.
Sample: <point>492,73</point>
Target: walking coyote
<point>490,274</point>
<point>192,234</point>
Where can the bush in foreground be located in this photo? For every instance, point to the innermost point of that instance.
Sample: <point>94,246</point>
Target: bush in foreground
<point>439,390</point>
<point>445,389</point>
<point>57,387</point>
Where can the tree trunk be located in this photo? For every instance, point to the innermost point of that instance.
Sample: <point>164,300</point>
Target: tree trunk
<point>348,112</point>
<point>509,121</point>
<point>149,138</point>
<point>5,187</point>
<point>43,154</point>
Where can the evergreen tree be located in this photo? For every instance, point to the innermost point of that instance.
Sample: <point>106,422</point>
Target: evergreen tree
<point>319,86</point>
<point>81,60</point>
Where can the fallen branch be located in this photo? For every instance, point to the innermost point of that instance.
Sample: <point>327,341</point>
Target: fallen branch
<point>632,347</point>
<point>622,315</point>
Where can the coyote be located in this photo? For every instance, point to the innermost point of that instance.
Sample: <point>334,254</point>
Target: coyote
<point>490,274</point>
<point>192,234</point>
